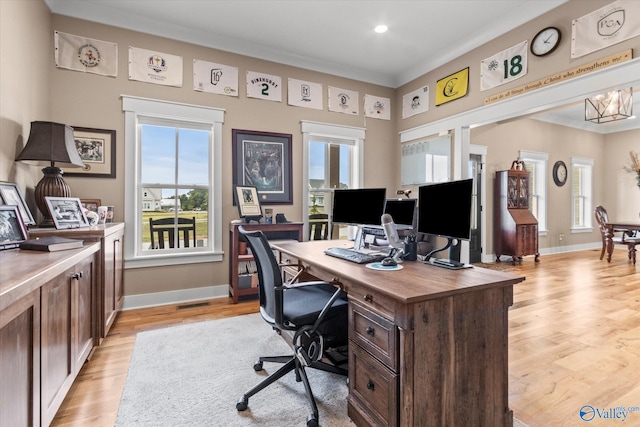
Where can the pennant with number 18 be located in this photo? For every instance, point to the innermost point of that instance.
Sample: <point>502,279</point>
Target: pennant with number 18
<point>504,67</point>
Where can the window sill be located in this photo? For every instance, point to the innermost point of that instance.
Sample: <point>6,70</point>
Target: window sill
<point>582,230</point>
<point>172,259</point>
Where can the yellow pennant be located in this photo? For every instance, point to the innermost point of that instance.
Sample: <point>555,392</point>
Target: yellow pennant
<point>452,87</point>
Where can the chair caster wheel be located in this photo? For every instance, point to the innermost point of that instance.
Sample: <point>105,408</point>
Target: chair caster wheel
<point>257,366</point>
<point>312,421</point>
<point>242,404</point>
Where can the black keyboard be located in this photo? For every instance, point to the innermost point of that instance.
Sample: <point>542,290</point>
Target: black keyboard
<point>354,256</point>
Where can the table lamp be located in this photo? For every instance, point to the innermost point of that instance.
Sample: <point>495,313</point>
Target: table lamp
<point>53,143</point>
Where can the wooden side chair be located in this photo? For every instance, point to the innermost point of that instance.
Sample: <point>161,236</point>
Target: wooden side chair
<point>167,226</point>
<point>318,227</point>
<point>620,237</point>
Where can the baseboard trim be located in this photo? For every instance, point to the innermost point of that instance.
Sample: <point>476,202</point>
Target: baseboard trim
<point>132,302</point>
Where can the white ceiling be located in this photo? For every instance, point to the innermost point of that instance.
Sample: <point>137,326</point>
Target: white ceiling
<point>335,36</point>
<point>330,36</point>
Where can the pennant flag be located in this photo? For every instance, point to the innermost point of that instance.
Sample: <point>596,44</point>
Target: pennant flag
<point>452,87</point>
<point>504,67</point>
<point>215,78</point>
<point>155,67</point>
<point>264,86</point>
<point>305,94</point>
<point>343,101</point>
<point>415,102</point>
<point>377,107</point>
<point>614,23</point>
<point>85,54</point>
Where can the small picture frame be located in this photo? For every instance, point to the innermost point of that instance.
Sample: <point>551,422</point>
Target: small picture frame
<point>10,195</point>
<point>246,197</point>
<point>66,212</point>
<point>91,204</point>
<point>12,229</point>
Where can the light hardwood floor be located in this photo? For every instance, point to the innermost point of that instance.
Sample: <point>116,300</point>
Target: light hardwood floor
<point>574,340</point>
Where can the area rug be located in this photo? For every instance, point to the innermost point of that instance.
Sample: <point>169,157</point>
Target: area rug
<point>193,375</point>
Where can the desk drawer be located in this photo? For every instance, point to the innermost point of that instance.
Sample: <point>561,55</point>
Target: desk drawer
<point>373,387</point>
<point>374,333</point>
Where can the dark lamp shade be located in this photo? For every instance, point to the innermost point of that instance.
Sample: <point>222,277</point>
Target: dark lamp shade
<point>51,142</point>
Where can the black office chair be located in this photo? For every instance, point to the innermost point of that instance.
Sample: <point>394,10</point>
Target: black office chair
<point>316,311</point>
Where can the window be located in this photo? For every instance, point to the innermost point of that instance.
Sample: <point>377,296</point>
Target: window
<point>172,173</point>
<point>333,159</point>
<point>581,194</point>
<point>536,165</point>
<point>426,161</point>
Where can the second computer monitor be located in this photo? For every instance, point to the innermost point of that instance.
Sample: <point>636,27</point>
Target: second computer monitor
<point>403,212</point>
<point>363,206</point>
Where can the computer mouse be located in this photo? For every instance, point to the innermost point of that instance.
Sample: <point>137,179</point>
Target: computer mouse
<point>389,262</point>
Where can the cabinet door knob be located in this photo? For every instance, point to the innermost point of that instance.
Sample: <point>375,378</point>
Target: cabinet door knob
<point>371,386</point>
<point>77,275</point>
<point>368,297</point>
<point>370,331</point>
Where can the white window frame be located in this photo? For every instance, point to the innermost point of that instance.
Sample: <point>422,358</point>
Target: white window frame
<point>540,162</point>
<point>348,135</point>
<point>418,160</point>
<point>586,193</point>
<point>135,108</point>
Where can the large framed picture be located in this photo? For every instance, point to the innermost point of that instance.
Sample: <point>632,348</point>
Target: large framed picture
<point>12,230</point>
<point>263,160</point>
<point>10,195</point>
<point>246,197</point>
<point>97,149</point>
<point>66,212</point>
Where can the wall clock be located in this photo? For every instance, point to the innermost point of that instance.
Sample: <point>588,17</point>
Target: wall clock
<point>546,41</point>
<point>559,173</point>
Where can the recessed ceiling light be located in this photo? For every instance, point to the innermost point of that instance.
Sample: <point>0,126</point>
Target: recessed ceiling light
<point>381,29</point>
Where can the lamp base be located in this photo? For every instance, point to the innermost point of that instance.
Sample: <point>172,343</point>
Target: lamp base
<point>51,185</point>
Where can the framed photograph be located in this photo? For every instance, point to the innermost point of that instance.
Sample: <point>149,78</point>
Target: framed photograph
<point>263,160</point>
<point>91,204</point>
<point>246,197</point>
<point>12,230</point>
<point>97,149</point>
<point>66,212</point>
<point>10,195</point>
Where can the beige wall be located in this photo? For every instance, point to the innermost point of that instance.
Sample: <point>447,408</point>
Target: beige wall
<point>33,89</point>
<point>26,61</point>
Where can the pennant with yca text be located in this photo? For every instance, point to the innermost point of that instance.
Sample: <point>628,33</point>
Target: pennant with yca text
<point>305,94</point>
<point>155,67</point>
<point>415,102</point>
<point>85,54</point>
<point>264,86</point>
<point>215,78</point>
<point>377,107</point>
<point>343,101</point>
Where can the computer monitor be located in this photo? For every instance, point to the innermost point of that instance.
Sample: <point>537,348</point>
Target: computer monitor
<point>402,211</point>
<point>362,206</point>
<point>444,209</point>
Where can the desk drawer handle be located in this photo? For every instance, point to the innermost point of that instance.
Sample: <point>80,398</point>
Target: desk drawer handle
<point>368,298</point>
<point>370,331</point>
<point>371,386</point>
<point>77,276</point>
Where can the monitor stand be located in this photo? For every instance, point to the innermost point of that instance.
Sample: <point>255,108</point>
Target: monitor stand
<point>446,263</point>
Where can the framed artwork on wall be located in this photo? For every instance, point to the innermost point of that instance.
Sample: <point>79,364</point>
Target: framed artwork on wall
<point>263,160</point>
<point>97,149</point>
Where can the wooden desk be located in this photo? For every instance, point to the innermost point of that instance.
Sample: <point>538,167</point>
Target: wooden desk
<point>428,346</point>
<point>608,235</point>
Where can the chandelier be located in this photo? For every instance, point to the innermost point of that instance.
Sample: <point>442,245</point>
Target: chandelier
<point>610,106</point>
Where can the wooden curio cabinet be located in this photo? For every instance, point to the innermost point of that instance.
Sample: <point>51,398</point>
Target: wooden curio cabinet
<point>515,228</point>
